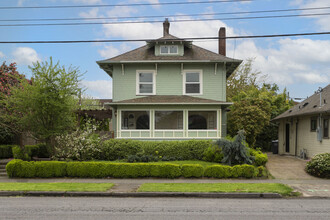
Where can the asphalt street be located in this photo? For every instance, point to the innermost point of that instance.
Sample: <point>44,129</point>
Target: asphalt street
<point>161,208</point>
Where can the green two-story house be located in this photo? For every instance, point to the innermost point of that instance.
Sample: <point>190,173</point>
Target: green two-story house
<point>170,89</point>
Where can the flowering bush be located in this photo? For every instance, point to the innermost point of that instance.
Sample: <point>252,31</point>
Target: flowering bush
<point>319,166</point>
<point>81,144</point>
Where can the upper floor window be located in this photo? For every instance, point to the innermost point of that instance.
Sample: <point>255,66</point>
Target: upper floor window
<point>313,124</point>
<point>145,82</point>
<point>192,82</point>
<point>326,128</point>
<point>170,49</point>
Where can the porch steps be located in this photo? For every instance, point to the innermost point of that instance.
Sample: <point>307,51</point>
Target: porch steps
<point>3,164</point>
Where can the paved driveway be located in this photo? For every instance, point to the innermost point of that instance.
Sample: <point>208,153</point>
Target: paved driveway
<point>287,167</point>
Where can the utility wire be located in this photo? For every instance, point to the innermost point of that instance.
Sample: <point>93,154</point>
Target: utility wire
<point>123,5</point>
<point>158,21</point>
<point>178,39</point>
<point>167,16</point>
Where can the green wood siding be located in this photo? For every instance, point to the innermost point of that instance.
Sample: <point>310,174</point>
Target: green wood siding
<point>169,80</point>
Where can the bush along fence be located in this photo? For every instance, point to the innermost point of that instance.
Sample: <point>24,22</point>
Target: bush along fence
<point>48,169</point>
<point>14,151</point>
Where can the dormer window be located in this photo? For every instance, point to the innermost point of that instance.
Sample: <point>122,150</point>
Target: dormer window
<point>169,49</point>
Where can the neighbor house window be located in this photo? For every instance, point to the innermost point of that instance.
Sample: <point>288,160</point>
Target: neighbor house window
<point>192,82</point>
<point>171,120</point>
<point>326,128</point>
<point>202,120</point>
<point>313,124</point>
<point>135,120</point>
<point>145,82</point>
<point>170,49</point>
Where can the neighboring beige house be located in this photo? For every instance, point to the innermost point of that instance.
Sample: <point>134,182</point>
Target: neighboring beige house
<point>304,129</point>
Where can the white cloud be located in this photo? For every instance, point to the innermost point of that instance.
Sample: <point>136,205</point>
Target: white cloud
<point>20,2</point>
<point>295,61</point>
<point>25,56</point>
<point>322,21</point>
<point>2,55</point>
<point>93,13</point>
<point>112,51</point>
<point>99,88</point>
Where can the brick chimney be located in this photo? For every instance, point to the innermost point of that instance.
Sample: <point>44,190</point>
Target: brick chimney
<point>166,27</point>
<point>222,41</point>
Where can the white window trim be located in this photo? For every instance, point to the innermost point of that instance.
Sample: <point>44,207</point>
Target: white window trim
<point>168,49</point>
<point>138,82</point>
<point>200,81</point>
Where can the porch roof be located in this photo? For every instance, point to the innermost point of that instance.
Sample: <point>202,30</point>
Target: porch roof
<point>170,100</point>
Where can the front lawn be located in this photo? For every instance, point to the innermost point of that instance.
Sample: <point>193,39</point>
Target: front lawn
<point>217,187</point>
<point>70,187</point>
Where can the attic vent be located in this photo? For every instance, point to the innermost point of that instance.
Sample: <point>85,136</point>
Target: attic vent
<point>306,103</point>
<point>291,110</point>
<point>314,106</point>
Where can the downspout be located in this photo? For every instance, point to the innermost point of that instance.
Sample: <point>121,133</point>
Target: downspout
<point>296,144</point>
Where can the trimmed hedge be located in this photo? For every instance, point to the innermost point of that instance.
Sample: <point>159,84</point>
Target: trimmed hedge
<point>225,171</point>
<point>192,170</point>
<point>47,169</point>
<point>115,149</point>
<point>6,151</point>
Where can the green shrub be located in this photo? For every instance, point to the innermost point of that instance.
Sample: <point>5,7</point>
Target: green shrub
<point>18,153</point>
<point>165,170</point>
<point>260,159</point>
<point>213,154</point>
<point>192,170</point>
<point>43,151</point>
<point>48,169</point>
<point>248,171</point>
<point>6,151</point>
<point>115,149</point>
<point>261,171</point>
<point>218,171</point>
<point>19,168</point>
<point>319,166</point>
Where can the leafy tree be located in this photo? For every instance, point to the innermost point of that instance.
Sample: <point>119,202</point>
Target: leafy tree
<point>9,77</point>
<point>255,103</point>
<point>45,107</point>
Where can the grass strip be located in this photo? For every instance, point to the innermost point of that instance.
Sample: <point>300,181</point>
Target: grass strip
<point>282,189</point>
<point>71,187</point>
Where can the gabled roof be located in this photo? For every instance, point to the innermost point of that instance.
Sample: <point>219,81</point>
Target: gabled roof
<point>169,99</point>
<point>310,106</point>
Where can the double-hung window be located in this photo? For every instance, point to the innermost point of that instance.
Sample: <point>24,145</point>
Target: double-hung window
<point>326,128</point>
<point>192,82</point>
<point>145,82</point>
<point>169,49</point>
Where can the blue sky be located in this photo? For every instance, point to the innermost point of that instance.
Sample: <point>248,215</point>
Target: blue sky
<point>300,64</point>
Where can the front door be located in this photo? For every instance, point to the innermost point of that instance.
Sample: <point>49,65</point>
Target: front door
<point>287,138</point>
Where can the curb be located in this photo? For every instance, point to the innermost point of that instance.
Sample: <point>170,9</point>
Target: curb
<point>142,194</point>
